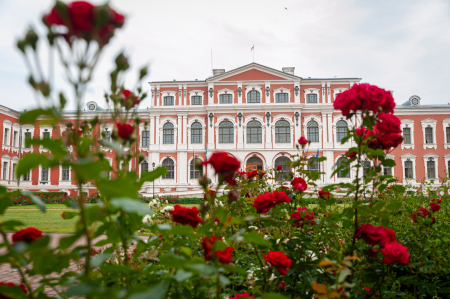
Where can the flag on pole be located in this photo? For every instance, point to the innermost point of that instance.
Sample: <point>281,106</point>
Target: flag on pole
<point>252,48</point>
<point>317,155</point>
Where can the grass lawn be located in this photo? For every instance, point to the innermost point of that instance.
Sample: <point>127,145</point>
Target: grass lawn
<point>49,206</point>
<point>48,222</point>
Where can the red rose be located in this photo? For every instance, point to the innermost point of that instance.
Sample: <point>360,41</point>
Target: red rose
<point>224,256</point>
<point>299,184</point>
<point>302,220</point>
<point>302,141</point>
<point>395,253</point>
<point>264,202</point>
<point>243,295</point>
<point>282,285</point>
<point>388,123</point>
<point>324,195</point>
<point>130,99</point>
<point>224,164</point>
<point>364,96</point>
<point>11,285</point>
<point>373,253</point>
<point>279,167</point>
<point>28,235</point>
<point>252,174</point>
<point>351,155</point>
<point>261,174</point>
<point>279,260</point>
<point>436,200</point>
<point>422,212</point>
<point>233,195</point>
<point>125,131</point>
<point>209,194</point>
<point>374,235</point>
<point>434,207</point>
<point>184,216</point>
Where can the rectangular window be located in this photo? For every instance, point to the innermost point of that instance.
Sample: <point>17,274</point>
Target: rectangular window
<point>447,133</point>
<point>168,101</point>
<point>14,138</point>
<point>428,135</point>
<point>407,135</point>
<point>26,177</point>
<point>387,170</point>
<point>5,138</point>
<point>46,135</point>
<point>282,98</point>
<point>170,172</point>
<point>5,170</point>
<point>408,169</point>
<point>27,138</point>
<point>108,136</point>
<point>145,138</point>
<point>448,169</point>
<point>311,98</point>
<point>44,174</point>
<point>196,100</point>
<point>431,170</point>
<point>65,173</point>
<point>225,99</point>
<point>14,172</point>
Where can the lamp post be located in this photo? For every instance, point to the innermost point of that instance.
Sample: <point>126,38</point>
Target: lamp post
<point>153,165</point>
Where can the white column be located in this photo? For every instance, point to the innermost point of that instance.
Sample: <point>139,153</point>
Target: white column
<point>240,97</point>
<point>158,140</point>
<point>184,95</point>
<point>328,166</point>
<point>268,132</point>
<point>180,94</point>
<point>267,96</point>
<point>330,130</point>
<point>180,128</point>
<point>328,92</point>
<point>185,125</point>
<point>325,130</point>
<point>239,132</point>
<point>323,93</point>
<point>297,96</point>
<point>157,96</point>
<point>210,96</point>
<point>211,143</point>
<point>297,128</point>
<point>182,170</point>
<point>152,132</point>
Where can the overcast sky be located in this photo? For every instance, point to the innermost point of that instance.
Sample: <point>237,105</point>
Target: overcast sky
<point>401,45</point>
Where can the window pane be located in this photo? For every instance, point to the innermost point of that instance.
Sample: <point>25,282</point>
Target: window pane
<point>282,98</point>
<point>226,132</point>
<point>64,173</point>
<point>46,135</point>
<point>168,101</point>
<point>283,174</point>
<point>5,170</point>
<point>168,134</point>
<point>108,136</point>
<point>408,170</point>
<point>311,98</point>
<point>254,132</point>
<point>428,135</point>
<point>27,138</point>
<point>196,100</point>
<point>225,99</point>
<point>407,135</point>
<point>144,166</point>
<point>312,131</point>
<point>15,138</point>
<point>145,138</point>
<point>5,138</point>
<point>340,163</point>
<point>341,130</point>
<point>447,131</point>
<point>282,132</point>
<point>44,174</point>
<point>431,170</point>
<point>254,96</point>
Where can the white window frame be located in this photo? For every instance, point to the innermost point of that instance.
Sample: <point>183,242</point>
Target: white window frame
<point>172,146</point>
<point>169,93</point>
<point>388,156</point>
<point>429,123</point>
<point>337,91</point>
<point>319,181</point>
<point>191,121</point>
<point>351,172</point>
<point>260,119</point>
<point>337,144</point>
<point>49,176</point>
<point>287,118</point>
<point>435,158</point>
<point>30,129</point>
<point>446,122</point>
<point>231,119</point>
<point>6,159</point>
<point>412,158</point>
<point>65,183</point>
<point>15,146</point>
<point>311,90</point>
<point>41,136</point>
<point>317,119</point>
<point>251,87</point>
<point>408,123</point>
<point>196,93</point>
<point>281,90</point>
<point>446,160</point>
<point>226,91</point>
<point>175,171</point>
<point>7,124</point>
<point>193,181</point>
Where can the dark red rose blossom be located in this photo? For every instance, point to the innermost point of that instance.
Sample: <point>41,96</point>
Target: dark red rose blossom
<point>324,195</point>
<point>351,156</point>
<point>435,207</point>
<point>11,285</point>
<point>422,212</point>
<point>124,131</point>
<point>364,96</point>
<point>264,202</point>
<point>130,99</point>
<point>436,200</point>
<point>374,235</point>
<point>209,194</point>
<point>252,174</point>
<point>261,174</point>
<point>223,256</point>
<point>28,235</point>
<point>299,184</point>
<point>233,195</point>
<point>185,215</point>
<point>243,295</point>
<point>279,260</point>
<point>279,167</point>
<point>395,253</point>
<point>282,285</point>
<point>302,141</point>
<point>224,164</point>
<point>302,220</point>
<point>388,123</point>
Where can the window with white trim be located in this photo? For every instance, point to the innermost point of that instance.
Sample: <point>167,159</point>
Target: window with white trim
<point>313,164</point>
<point>254,132</point>
<point>447,134</point>
<point>27,139</point>
<point>13,175</point>
<point>311,98</point>
<point>283,174</point>
<point>168,133</point>
<point>144,166</point>
<point>341,130</point>
<point>407,135</point>
<point>196,100</point>
<point>107,136</point>
<point>431,168</point>
<point>226,132</point>
<point>387,170</point>
<point>340,173</point>
<point>196,132</point>
<point>194,172</point>
<point>5,171</point>
<point>429,135</point>
<point>170,166</point>
<point>225,99</point>
<point>409,172</point>
<point>145,138</point>
<point>254,96</point>
<point>312,130</point>
<point>282,97</point>
<point>44,174</point>
<point>26,177</point>
<point>5,138</point>
<point>282,132</point>
<point>366,167</point>
<point>169,101</point>
<point>65,173</point>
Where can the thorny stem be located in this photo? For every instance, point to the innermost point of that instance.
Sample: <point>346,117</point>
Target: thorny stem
<point>262,267</point>
<point>86,230</point>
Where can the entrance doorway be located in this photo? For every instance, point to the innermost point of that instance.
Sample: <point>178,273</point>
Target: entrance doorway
<point>254,163</point>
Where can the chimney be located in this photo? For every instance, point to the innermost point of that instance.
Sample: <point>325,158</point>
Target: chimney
<point>288,70</point>
<point>218,71</point>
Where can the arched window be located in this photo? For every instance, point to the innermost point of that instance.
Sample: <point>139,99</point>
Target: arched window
<point>254,132</point>
<point>168,133</point>
<point>196,100</point>
<point>313,164</point>
<point>254,163</point>
<point>168,101</point>
<point>196,132</point>
<point>312,130</point>
<point>225,99</point>
<point>144,166</point>
<point>253,96</point>
<point>194,172</point>
<point>283,174</point>
<point>341,130</point>
<point>226,132</point>
<point>170,166</point>
<point>282,132</point>
<point>282,97</point>
<point>340,163</point>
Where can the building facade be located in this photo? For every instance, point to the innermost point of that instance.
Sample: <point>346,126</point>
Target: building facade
<point>254,112</point>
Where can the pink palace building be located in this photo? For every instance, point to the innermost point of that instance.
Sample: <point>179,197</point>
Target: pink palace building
<point>255,113</point>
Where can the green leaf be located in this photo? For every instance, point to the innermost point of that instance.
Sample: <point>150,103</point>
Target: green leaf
<point>5,202</point>
<point>11,225</point>
<point>87,170</point>
<point>82,289</point>
<point>99,259</point>
<point>150,176</point>
<point>66,242</point>
<point>170,260</point>
<point>182,275</point>
<point>119,187</point>
<point>395,205</point>
<point>35,199</point>
<point>157,292</point>
<point>55,146</point>
<point>30,117</point>
<point>273,296</point>
<point>31,161</point>
<point>255,238</point>
<point>130,205</point>
<point>388,163</point>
